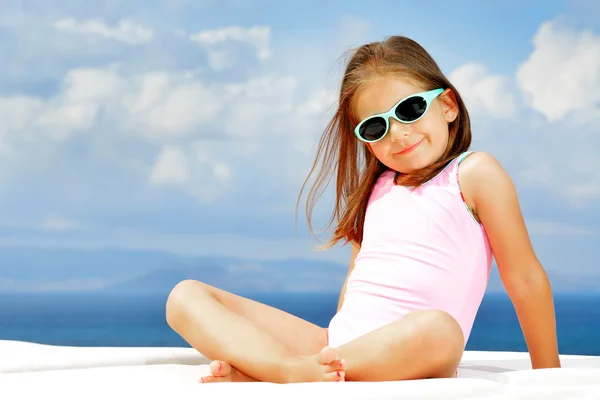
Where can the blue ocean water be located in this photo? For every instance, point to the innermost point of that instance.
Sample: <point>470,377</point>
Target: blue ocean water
<point>101,319</point>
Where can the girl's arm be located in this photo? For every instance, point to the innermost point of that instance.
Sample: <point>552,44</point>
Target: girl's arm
<point>492,196</point>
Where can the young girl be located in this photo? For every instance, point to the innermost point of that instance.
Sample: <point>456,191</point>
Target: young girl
<point>424,217</point>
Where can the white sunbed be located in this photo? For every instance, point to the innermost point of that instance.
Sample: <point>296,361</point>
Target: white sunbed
<point>37,371</point>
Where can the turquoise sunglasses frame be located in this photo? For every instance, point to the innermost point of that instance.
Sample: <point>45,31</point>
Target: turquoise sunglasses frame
<point>429,96</point>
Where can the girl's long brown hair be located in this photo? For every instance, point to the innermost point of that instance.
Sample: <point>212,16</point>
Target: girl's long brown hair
<point>341,155</point>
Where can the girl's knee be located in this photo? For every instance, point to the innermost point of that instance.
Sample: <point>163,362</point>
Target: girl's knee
<point>184,289</point>
<point>440,333</point>
<point>439,323</point>
<point>180,297</point>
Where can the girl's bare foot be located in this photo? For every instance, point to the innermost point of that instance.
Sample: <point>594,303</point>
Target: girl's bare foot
<point>223,372</point>
<point>322,367</point>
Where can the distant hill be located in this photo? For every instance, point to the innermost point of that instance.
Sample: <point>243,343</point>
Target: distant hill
<point>61,270</point>
<point>35,270</point>
<point>242,275</point>
<point>22,263</point>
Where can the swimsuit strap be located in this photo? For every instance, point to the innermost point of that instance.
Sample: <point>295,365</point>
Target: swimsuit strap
<point>462,156</point>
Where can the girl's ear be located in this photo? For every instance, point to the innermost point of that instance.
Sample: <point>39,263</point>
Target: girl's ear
<point>449,105</point>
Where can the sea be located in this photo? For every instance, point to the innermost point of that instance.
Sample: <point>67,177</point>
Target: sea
<point>138,320</point>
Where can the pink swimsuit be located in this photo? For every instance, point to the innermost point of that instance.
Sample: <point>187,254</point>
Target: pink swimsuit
<point>421,250</point>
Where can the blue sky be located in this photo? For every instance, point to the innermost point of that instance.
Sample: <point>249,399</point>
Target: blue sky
<point>188,126</point>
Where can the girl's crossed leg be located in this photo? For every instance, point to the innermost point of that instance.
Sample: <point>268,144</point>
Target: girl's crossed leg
<point>266,344</point>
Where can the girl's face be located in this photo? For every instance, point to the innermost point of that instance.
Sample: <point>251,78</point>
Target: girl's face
<point>406,147</point>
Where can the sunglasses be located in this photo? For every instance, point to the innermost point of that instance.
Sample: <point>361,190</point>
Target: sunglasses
<point>408,110</point>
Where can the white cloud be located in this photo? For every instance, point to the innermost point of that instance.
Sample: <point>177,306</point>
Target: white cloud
<point>312,116</point>
<point>562,74</point>
<point>16,113</point>
<point>483,91</point>
<point>126,31</point>
<point>557,150</point>
<point>160,104</point>
<point>321,100</point>
<point>211,170</point>
<point>222,171</point>
<point>547,161</point>
<point>219,59</point>
<point>201,133</point>
<point>539,170</point>
<point>152,105</point>
<point>221,56</point>
<point>61,120</point>
<point>29,120</point>
<point>56,223</point>
<point>200,173</point>
<point>583,192</point>
<point>260,106</point>
<point>172,167</point>
<point>82,95</point>
<point>553,228</point>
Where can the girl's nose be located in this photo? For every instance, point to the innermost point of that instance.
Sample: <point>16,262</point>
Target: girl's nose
<point>398,130</point>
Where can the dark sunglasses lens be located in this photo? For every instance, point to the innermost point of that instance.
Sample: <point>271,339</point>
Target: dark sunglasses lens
<point>411,109</point>
<point>373,129</point>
